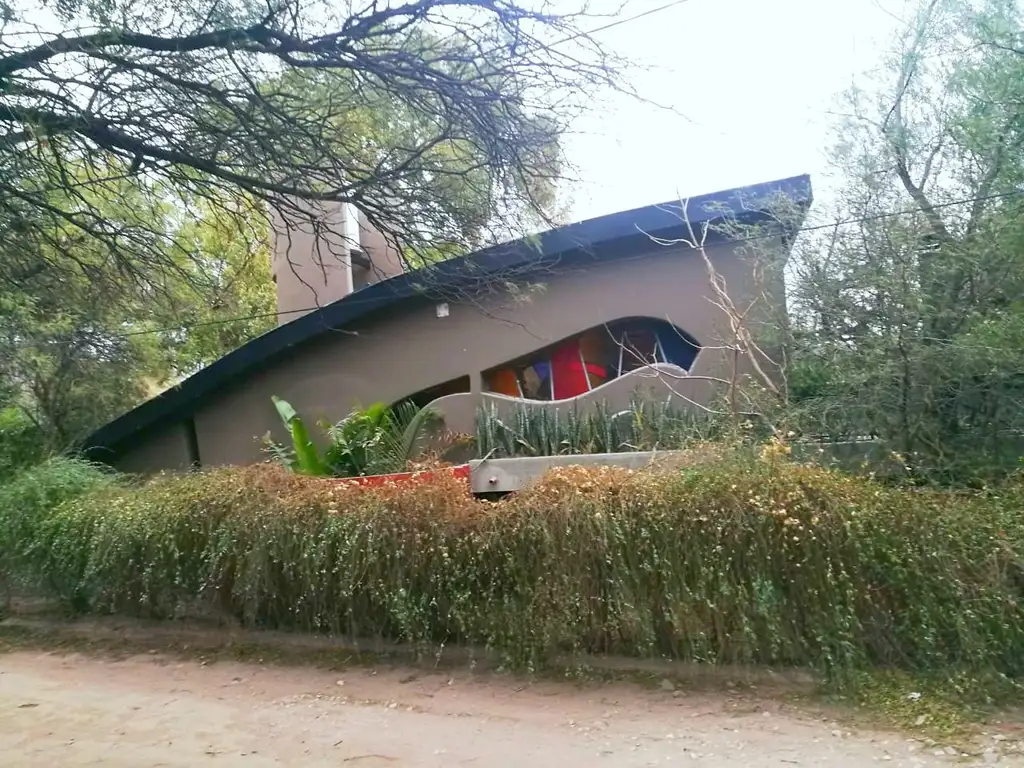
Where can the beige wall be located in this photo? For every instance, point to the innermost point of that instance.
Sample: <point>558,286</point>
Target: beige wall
<point>309,265</point>
<point>393,354</point>
<point>384,257</point>
<point>388,357</point>
<point>165,448</point>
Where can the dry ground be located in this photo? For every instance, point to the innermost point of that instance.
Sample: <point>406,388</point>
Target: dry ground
<point>63,708</point>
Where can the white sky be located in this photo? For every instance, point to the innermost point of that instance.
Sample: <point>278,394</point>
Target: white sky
<point>755,78</point>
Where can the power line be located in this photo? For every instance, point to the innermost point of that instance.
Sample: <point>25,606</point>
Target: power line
<point>222,321</point>
<point>356,299</point>
<point>907,211</point>
<point>618,22</point>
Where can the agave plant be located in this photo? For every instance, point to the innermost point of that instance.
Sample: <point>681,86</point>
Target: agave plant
<point>540,431</point>
<point>369,441</point>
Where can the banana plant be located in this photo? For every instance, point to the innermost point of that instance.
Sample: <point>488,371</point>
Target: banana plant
<point>376,440</point>
<point>305,459</point>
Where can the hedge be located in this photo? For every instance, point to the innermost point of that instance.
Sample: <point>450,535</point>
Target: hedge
<point>28,498</point>
<point>741,559</point>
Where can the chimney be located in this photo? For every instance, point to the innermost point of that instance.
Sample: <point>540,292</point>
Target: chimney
<point>315,264</point>
<point>381,259</point>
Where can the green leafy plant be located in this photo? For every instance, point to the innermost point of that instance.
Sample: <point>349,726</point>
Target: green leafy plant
<point>27,500</point>
<point>379,439</point>
<point>411,427</point>
<point>304,457</point>
<point>22,443</point>
<point>357,441</point>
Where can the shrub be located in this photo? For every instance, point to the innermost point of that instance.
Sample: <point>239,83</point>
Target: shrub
<point>30,496</point>
<point>380,439</point>
<point>738,559</point>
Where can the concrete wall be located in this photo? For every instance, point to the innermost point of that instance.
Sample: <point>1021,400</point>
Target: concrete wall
<point>164,448</point>
<point>385,261</point>
<point>657,382</point>
<point>309,263</point>
<point>391,356</point>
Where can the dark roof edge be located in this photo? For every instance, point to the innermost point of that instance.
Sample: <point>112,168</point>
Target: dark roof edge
<point>749,205</point>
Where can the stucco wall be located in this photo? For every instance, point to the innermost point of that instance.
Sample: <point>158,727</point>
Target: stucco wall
<point>657,382</point>
<point>389,357</point>
<point>164,448</point>
<point>310,268</point>
<point>384,258</point>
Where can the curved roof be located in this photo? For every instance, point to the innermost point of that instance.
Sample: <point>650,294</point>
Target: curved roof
<point>617,235</point>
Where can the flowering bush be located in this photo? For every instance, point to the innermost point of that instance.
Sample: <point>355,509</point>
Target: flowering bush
<point>739,558</point>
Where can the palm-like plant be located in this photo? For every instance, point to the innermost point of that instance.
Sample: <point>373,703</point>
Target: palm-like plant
<point>303,457</point>
<point>376,440</point>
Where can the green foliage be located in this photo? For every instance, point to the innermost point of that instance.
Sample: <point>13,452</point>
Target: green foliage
<point>63,313</point>
<point>463,209</point>
<point>305,459</point>
<point>459,144</point>
<point>28,498</point>
<point>85,342</point>
<point>22,443</point>
<point>376,440</point>
<point>226,295</point>
<point>130,262</point>
<point>740,559</point>
<point>357,441</point>
<point>906,316</point>
<point>537,431</point>
<point>381,439</point>
<point>410,428</point>
<point>945,704</point>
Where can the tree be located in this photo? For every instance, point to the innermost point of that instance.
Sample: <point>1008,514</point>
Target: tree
<point>907,312</point>
<point>143,147</point>
<point>232,265</point>
<point>82,344</point>
<point>439,119</point>
<point>67,366</point>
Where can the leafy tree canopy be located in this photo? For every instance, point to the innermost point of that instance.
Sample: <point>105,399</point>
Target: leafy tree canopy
<point>907,313</point>
<point>438,119</point>
<point>84,341</point>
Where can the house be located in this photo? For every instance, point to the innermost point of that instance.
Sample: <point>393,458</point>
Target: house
<point>582,314</point>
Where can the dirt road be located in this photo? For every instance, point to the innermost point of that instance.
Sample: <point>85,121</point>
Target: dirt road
<point>150,711</point>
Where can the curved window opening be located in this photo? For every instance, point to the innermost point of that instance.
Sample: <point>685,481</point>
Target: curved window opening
<point>426,396</point>
<point>587,360</point>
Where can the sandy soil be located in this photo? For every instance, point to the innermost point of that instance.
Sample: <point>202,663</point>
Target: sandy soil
<point>70,710</point>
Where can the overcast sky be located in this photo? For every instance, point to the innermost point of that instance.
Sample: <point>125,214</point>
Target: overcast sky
<point>755,78</point>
